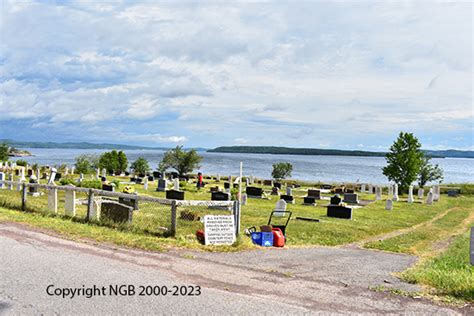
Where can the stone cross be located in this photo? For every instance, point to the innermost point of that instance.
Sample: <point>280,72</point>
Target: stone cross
<point>421,193</point>
<point>389,205</point>
<point>395,192</point>
<point>429,198</point>
<point>280,207</point>
<point>410,194</point>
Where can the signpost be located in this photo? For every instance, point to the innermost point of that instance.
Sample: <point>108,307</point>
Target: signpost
<point>219,229</point>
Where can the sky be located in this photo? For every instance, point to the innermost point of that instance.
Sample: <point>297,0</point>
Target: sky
<point>319,74</point>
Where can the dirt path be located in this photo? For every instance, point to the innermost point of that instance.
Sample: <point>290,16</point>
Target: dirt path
<point>281,281</point>
<point>361,243</point>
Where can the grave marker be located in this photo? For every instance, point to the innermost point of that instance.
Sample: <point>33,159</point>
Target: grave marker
<point>421,193</point>
<point>53,200</point>
<point>70,203</point>
<point>410,194</point>
<point>389,205</point>
<point>280,208</point>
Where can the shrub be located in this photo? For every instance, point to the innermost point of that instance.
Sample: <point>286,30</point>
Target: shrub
<point>21,162</point>
<point>93,184</point>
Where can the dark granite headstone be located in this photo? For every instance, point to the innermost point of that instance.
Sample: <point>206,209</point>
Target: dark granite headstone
<point>339,211</point>
<point>339,190</point>
<point>174,175</point>
<point>350,191</point>
<point>57,177</point>
<point>151,178</point>
<point>226,185</point>
<point>336,200</point>
<point>287,198</point>
<point>157,174</point>
<point>351,198</point>
<point>220,196</point>
<point>235,185</point>
<point>214,189</point>
<point>326,186</point>
<point>108,187</point>
<point>314,193</point>
<point>309,200</point>
<point>127,173</point>
<point>175,195</point>
<point>138,180</point>
<point>277,185</point>
<point>30,172</point>
<point>268,182</point>
<point>103,179</point>
<point>254,192</point>
<point>453,193</point>
<point>162,183</point>
<point>116,212</point>
<point>142,175</point>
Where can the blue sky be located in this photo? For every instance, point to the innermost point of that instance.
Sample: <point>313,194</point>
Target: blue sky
<point>347,75</point>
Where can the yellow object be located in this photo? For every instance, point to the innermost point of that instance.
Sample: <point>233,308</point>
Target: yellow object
<point>128,189</point>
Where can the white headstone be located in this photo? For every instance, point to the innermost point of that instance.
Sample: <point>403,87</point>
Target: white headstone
<point>410,194</point>
<point>2,178</point>
<point>22,174</point>
<point>389,205</point>
<point>53,200</point>
<point>81,177</point>
<point>289,191</point>
<point>145,183</point>
<point>395,192</point>
<point>421,193</point>
<point>378,193</point>
<point>244,198</point>
<point>371,189</point>
<point>219,229</point>
<point>429,198</point>
<point>73,169</point>
<point>104,172</point>
<point>95,211</point>
<point>247,181</point>
<point>52,176</point>
<point>218,178</point>
<point>436,193</point>
<point>70,203</point>
<point>362,188</point>
<point>38,174</point>
<point>176,184</point>
<point>97,172</point>
<point>280,207</point>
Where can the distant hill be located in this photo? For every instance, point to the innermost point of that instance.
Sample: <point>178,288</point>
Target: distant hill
<point>330,152</point>
<point>80,145</point>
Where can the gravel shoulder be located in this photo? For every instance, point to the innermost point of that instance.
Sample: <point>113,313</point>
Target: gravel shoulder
<point>280,281</point>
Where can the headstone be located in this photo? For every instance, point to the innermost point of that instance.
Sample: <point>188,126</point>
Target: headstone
<point>389,205</point>
<point>335,200</point>
<point>352,198</point>
<point>66,171</point>
<point>151,178</point>
<point>2,178</point>
<point>309,200</point>
<point>156,174</point>
<point>29,172</point>
<point>130,201</point>
<point>22,174</point>
<point>277,185</point>
<point>453,193</point>
<point>339,211</point>
<point>244,199</point>
<point>314,193</point>
<point>214,189</point>
<point>339,190</point>
<point>220,196</point>
<point>162,184</point>
<point>116,212</point>
<point>219,230</point>
<point>280,207</point>
<point>103,179</point>
<point>288,198</point>
<point>52,176</point>
<point>289,191</point>
<point>349,190</point>
<point>70,203</point>
<point>176,184</point>
<point>429,198</point>
<point>436,193</point>
<point>247,181</point>
<point>410,194</point>
<point>73,169</point>
<point>378,193</point>
<point>275,191</point>
<point>38,174</point>
<point>53,200</point>
<point>268,182</point>
<point>395,193</point>
<point>218,178</point>
<point>370,189</point>
<point>81,177</point>
<point>145,184</point>
<point>362,188</point>
<point>104,172</point>
<point>254,192</point>
<point>97,173</point>
<point>108,187</point>
<point>226,185</point>
<point>175,195</point>
<point>421,193</point>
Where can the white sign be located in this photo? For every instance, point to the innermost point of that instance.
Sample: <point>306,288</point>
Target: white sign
<point>219,229</point>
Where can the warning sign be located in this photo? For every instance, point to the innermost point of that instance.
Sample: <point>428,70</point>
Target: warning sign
<point>219,229</point>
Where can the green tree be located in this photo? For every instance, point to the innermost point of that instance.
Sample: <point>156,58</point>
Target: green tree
<point>86,163</point>
<point>404,161</point>
<point>4,150</point>
<point>181,160</point>
<point>122,162</point>
<point>429,172</point>
<point>140,166</point>
<point>282,170</point>
<point>21,162</point>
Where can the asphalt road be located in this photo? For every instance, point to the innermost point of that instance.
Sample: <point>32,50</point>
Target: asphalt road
<point>277,281</point>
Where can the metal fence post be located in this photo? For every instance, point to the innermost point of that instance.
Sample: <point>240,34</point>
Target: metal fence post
<point>23,197</point>
<point>90,204</point>
<point>174,215</point>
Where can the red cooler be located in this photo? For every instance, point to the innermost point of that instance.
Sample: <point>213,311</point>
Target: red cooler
<point>278,238</point>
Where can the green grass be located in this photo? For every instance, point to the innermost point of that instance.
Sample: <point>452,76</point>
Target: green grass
<point>449,274</point>
<point>420,240</point>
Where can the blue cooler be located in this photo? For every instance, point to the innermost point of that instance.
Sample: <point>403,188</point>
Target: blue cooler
<point>264,239</point>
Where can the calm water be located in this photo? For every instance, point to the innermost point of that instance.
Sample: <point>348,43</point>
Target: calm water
<point>313,168</point>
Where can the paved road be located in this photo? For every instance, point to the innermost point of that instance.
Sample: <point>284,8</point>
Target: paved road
<point>280,281</point>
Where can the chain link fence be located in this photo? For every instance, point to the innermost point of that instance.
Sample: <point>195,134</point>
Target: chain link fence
<point>132,212</point>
